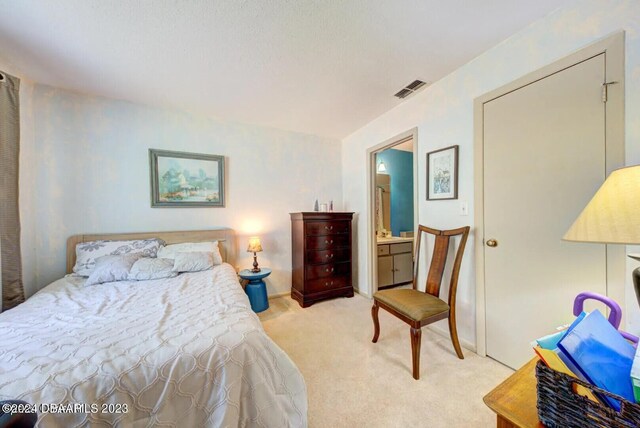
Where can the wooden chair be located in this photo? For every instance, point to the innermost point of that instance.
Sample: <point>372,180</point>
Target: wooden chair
<point>418,308</point>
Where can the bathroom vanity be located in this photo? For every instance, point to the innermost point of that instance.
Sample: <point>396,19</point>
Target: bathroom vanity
<point>395,261</point>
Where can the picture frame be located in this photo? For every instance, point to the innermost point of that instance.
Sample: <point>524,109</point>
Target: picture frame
<point>181,179</point>
<point>442,174</point>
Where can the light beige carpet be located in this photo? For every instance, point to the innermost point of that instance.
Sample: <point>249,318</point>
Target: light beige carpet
<point>352,382</point>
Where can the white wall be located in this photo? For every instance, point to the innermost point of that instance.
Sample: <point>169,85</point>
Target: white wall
<point>443,114</point>
<point>88,172</point>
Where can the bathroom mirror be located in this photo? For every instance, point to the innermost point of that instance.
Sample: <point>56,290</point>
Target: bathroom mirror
<point>383,203</point>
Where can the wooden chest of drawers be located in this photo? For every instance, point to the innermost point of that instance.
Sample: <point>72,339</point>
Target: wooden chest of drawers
<point>321,256</point>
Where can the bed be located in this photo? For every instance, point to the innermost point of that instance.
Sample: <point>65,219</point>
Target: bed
<point>179,352</point>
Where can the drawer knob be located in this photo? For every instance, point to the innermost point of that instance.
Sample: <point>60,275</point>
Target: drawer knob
<point>328,227</point>
<point>329,256</point>
<point>329,270</point>
<point>328,283</point>
<point>328,242</point>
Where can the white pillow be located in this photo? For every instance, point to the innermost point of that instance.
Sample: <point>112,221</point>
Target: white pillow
<point>193,261</point>
<point>88,252</point>
<point>170,251</point>
<point>112,268</point>
<point>145,269</point>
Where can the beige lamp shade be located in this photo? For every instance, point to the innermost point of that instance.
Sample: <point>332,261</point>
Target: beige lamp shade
<point>613,214</point>
<point>254,245</point>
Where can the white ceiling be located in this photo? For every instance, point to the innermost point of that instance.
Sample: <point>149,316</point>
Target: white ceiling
<point>407,146</point>
<point>318,67</point>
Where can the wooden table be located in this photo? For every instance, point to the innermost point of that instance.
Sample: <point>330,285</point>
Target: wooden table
<point>514,400</point>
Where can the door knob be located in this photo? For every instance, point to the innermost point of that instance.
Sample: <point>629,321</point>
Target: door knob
<point>492,243</point>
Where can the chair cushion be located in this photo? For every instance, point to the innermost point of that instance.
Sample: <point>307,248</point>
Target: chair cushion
<point>412,303</point>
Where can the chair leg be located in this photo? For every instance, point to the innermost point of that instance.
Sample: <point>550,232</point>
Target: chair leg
<point>453,332</point>
<point>416,335</point>
<point>376,323</point>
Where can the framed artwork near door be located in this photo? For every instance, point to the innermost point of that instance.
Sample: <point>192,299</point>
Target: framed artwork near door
<point>442,174</point>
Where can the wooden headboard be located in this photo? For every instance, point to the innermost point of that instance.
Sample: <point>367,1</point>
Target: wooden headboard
<point>226,240</point>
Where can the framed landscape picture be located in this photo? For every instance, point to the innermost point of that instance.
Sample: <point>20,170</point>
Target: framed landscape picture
<point>181,179</point>
<point>442,174</point>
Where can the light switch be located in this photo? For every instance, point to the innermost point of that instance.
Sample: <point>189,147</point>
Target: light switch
<point>464,208</point>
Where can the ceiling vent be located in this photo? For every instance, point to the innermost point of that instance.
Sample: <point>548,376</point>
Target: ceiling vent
<point>412,87</point>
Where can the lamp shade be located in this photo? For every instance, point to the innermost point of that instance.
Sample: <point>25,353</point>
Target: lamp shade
<point>613,214</point>
<point>254,245</point>
<point>382,167</point>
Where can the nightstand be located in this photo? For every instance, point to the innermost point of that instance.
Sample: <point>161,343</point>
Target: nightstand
<point>256,289</point>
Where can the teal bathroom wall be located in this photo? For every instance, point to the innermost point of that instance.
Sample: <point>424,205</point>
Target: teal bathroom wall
<point>399,166</point>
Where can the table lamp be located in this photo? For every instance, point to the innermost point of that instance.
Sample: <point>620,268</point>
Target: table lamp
<point>613,215</point>
<point>254,247</point>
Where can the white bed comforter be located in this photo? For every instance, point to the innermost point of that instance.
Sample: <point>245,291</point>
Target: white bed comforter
<point>180,352</point>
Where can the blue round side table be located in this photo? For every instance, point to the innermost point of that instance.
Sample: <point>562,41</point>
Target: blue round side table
<point>256,289</point>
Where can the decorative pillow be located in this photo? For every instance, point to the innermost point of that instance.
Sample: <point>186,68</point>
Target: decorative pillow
<point>146,268</point>
<point>170,251</point>
<point>193,261</point>
<point>88,252</point>
<point>112,268</point>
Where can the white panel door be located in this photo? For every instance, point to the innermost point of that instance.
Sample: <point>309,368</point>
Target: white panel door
<point>544,158</point>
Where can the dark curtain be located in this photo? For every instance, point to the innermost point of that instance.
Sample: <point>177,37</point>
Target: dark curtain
<point>10,258</point>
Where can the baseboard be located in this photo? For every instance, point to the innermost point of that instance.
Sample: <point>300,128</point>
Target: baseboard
<point>445,333</point>
<point>275,296</point>
<point>288,293</point>
<point>362,293</point>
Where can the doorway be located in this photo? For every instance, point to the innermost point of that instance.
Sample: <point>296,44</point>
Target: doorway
<point>544,144</point>
<point>394,210</point>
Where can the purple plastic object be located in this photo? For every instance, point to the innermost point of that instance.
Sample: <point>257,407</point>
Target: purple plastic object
<point>614,317</point>
<point>616,311</point>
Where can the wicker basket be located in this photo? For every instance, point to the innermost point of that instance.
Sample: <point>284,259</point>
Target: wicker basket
<point>559,406</point>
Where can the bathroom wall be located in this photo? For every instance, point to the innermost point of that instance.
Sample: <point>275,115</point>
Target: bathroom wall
<point>399,164</point>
